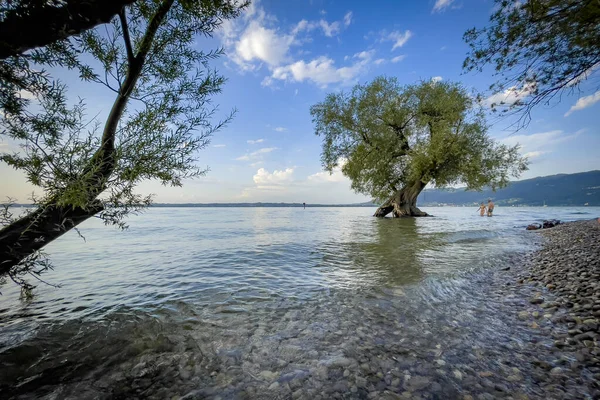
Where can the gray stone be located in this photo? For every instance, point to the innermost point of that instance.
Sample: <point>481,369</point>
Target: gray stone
<point>523,315</point>
<point>556,371</point>
<point>361,382</point>
<point>268,375</point>
<point>418,382</point>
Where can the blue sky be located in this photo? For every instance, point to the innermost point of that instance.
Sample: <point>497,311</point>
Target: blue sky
<point>284,56</point>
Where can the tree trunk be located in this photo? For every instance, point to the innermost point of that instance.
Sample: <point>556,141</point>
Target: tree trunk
<point>32,232</point>
<point>403,203</point>
<point>38,23</point>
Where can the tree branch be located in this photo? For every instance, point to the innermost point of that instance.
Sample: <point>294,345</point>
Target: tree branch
<point>126,38</point>
<point>48,24</point>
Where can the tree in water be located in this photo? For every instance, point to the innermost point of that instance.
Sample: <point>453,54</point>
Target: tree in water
<point>393,140</point>
<point>539,49</point>
<point>161,116</point>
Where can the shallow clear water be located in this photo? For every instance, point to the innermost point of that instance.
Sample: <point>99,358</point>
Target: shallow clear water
<point>212,297</point>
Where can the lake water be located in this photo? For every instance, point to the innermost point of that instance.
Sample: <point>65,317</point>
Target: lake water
<point>271,302</point>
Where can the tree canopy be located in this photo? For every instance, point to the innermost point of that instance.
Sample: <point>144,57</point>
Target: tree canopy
<point>161,116</point>
<point>538,48</point>
<point>388,138</point>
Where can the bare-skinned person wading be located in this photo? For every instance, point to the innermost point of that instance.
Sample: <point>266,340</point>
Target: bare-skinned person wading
<point>490,207</point>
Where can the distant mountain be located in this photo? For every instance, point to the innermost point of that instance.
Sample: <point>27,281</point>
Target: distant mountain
<point>554,190</point>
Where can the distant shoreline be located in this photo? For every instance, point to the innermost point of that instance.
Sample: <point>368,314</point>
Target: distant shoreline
<point>309,205</point>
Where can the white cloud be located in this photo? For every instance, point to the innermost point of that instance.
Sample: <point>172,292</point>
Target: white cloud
<point>268,82</point>
<point>379,61</point>
<point>348,18</point>
<point>511,95</point>
<point>266,178</point>
<point>255,141</point>
<point>322,70</point>
<point>219,145</point>
<point>398,38</point>
<point>436,79</point>
<point>260,43</point>
<point>441,5</point>
<point>325,176</point>
<point>255,40</point>
<point>256,154</point>
<point>330,29</point>
<point>280,129</point>
<point>537,144</point>
<point>584,102</point>
<point>303,25</point>
<point>25,94</point>
<point>398,58</point>
<point>330,177</point>
<point>534,154</point>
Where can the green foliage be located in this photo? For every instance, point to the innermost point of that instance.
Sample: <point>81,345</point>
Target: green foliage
<point>156,71</point>
<point>386,136</point>
<point>162,116</point>
<point>538,48</point>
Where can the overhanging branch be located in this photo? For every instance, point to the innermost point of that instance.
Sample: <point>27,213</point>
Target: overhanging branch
<point>41,22</point>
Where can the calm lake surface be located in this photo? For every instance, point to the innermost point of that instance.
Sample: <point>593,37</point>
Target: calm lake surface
<point>242,302</point>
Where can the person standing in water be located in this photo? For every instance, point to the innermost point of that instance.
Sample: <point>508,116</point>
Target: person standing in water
<point>304,204</point>
<point>482,209</point>
<point>490,207</point>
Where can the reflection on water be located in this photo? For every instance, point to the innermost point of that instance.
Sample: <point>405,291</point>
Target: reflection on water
<point>395,257</point>
<point>212,298</point>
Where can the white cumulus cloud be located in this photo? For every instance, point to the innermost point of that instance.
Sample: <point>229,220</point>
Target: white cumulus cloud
<point>264,177</point>
<point>323,71</point>
<point>260,43</point>
<point>398,58</point>
<point>436,79</point>
<point>257,39</point>
<point>329,177</point>
<point>584,102</point>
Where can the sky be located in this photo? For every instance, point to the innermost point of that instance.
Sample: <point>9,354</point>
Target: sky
<point>284,56</point>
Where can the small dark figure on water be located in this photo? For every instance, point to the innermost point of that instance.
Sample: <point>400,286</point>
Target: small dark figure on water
<point>490,207</point>
<point>304,204</point>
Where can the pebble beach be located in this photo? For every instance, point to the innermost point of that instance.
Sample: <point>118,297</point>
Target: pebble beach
<point>524,327</point>
<point>566,272</point>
